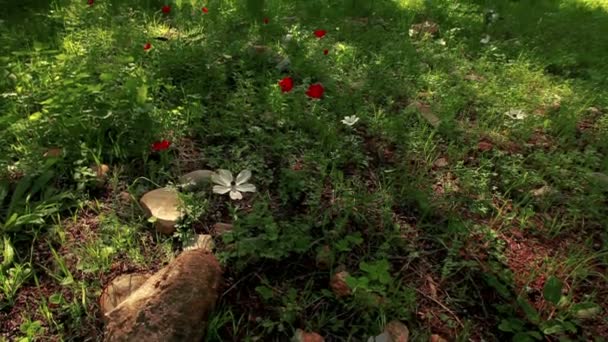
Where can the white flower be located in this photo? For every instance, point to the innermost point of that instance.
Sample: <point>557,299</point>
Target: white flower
<point>350,120</point>
<point>411,32</point>
<point>516,114</point>
<point>441,42</point>
<point>226,183</point>
<point>485,40</point>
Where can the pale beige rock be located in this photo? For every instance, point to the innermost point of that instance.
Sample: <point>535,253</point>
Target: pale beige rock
<point>102,172</point>
<point>195,179</point>
<point>119,289</point>
<point>441,162</point>
<point>165,206</point>
<point>173,305</point>
<point>200,241</point>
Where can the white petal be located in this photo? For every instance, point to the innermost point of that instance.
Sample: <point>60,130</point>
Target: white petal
<point>222,177</point>
<point>246,187</point>
<point>243,177</point>
<point>235,195</point>
<point>220,189</point>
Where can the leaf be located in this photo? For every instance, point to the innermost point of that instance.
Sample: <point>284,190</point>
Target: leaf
<point>552,327</point>
<point>522,337</point>
<point>586,310</point>
<point>20,190</point>
<point>530,312</point>
<point>8,253</point>
<point>142,94</point>
<point>35,116</point>
<point>553,290</point>
<point>265,292</point>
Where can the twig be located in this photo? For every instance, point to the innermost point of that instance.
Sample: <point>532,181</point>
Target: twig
<point>443,306</point>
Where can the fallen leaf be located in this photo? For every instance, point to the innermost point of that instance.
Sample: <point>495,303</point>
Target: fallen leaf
<point>425,111</point>
<point>338,284</point>
<point>542,191</point>
<point>485,146</point>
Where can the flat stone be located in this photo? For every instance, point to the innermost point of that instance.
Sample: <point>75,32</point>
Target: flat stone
<point>200,241</point>
<point>119,289</point>
<point>173,305</point>
<point>384,337</point>
<point>195,179</point>
<point>165,206</point>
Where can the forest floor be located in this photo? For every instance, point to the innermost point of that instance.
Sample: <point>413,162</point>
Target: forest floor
<point>449,156</point>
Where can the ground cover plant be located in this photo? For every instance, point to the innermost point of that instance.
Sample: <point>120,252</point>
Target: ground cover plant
<point>440,163</point>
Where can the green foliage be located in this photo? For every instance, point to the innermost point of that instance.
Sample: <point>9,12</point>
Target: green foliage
<point>405,207</point>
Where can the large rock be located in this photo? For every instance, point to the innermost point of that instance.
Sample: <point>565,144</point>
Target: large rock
<point>171,306</point>
<point>164,205</point>
<point>195,179</point>
<point>119,289</point>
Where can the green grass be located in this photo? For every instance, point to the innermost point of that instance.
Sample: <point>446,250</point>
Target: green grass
<point>470,249</point>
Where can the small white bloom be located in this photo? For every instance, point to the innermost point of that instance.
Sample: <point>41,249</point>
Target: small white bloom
<point>516,114</point>
<point>226,183</point>
<point>411,32</point>
<point>441,42</point>
<point>350,120</point>
<point>485,40</point>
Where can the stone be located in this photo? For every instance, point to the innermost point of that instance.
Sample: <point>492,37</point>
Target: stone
<point>338,284</point>
<point>119,289</point>
<point>222,228</point>
<point>102,172</point>
<point>437,338</point>
<point>384,337</point>
<point>200,241</point>
<point>397,331</point>
<point>303,336</point>
<point>164,205</point>
<point>542,191</point>
<point>441,162</point>
<point>173,305</point>
<point>195,179</point>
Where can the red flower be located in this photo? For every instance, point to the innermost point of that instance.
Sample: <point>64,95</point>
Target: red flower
<point>286,84</point>
<point>90,2</point>
<point>315,91</point>
<point>266,20</point>
<point>166,9</point>
<point>205,10</point>
<point>161,145</point>
<point>147,46</point>
<point>325,52</point>
<point>320,33</point>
